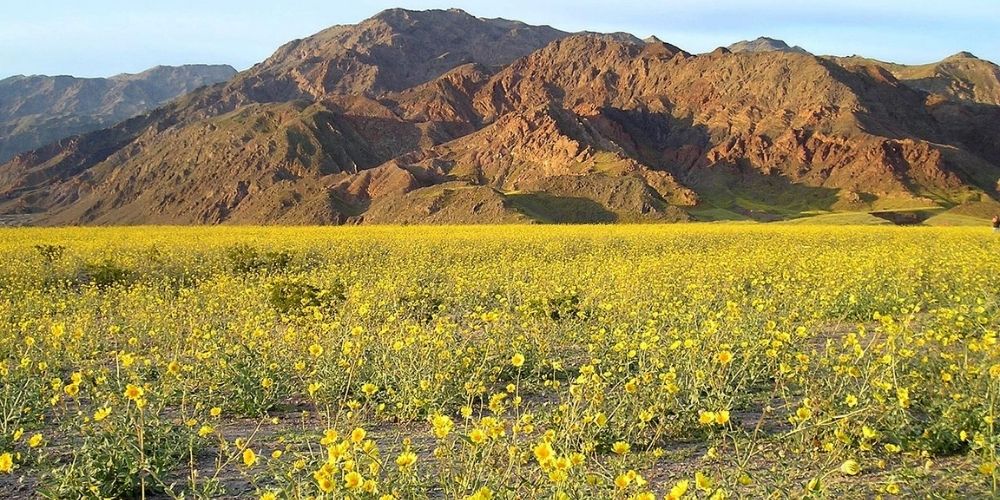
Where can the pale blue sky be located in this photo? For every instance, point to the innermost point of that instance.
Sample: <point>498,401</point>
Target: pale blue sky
<point>105,37</point>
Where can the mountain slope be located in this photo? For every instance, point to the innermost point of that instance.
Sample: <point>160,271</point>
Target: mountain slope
<point>439,117</point>
<point>340,70</point>
<point>724,122</point>
<point>37,110</point>
<point>962,76</point>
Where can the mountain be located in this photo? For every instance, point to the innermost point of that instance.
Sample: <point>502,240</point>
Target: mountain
<point>962,76</point>
<point>442,117</point>
<point>38,110</point>
<point>765,44</point>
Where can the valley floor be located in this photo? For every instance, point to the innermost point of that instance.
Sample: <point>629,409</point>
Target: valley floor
<point>645,361</point>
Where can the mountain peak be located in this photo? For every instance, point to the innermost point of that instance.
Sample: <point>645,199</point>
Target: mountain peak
<point>395,50</point>
<point>217,72</point>
<point>765,44</point>
<point>961,55</point>
<point>618,36</point>
<point>656,46</point>
<point>401,13</point>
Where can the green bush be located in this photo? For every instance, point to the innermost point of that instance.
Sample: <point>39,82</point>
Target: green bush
<point>50,253</point>
<point>245,259</point>
<point>109,464</point>
<point>290,296</point>
<point>104,274</point>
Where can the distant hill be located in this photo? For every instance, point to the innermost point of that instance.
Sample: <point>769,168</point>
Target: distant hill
<point>442,117</point>
<point>38,110</point>
<point>765,44</point>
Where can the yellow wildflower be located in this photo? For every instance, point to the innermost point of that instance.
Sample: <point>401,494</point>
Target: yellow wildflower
<point>101,414</point>
<point>249,458</point>
<point>724,357</point>
<point>353,480</point>
<point>406,459</point>
<point>850,467</point>
<point>621,447</point>
<point>134,392</point>
<point>517,360</point>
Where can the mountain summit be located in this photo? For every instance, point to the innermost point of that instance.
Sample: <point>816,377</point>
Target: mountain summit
<point>395,50</point>
<point>765,44</point>
<point>443,117</point>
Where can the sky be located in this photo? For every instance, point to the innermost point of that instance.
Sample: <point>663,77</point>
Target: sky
<point>96,38</point>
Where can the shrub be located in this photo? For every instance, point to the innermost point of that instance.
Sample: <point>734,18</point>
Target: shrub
<point>104,274</point>
<point>290,296</point>
<point>50,253</point>
<point>245,259</point>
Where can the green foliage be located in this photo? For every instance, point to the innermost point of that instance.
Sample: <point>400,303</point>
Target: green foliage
<point>110,464</point>
<point>245,259</point>
<point>103,274</point>
<point>561,307</point>
<point>254,387</point>
<point>288,296</point>
<point>50,253</point>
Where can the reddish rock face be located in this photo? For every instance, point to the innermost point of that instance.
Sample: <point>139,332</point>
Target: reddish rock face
<point>443,117</point>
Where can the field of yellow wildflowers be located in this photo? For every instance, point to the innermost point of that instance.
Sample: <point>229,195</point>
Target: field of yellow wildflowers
<point>694,361</point>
